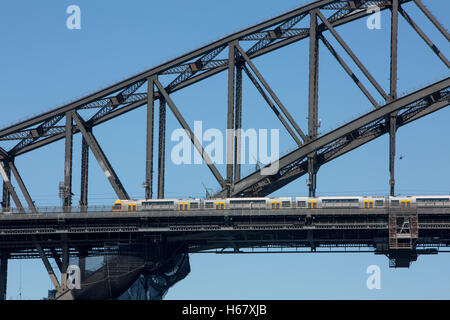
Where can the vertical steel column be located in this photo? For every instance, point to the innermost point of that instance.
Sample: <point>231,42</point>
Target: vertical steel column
<point>149,151</point>
<point>12,191</point>
<point>238,123</point>
<point>162,146</point>
<point>84,174</point>
<point>68,164</point>
<point>393,94</point>
<point>22,186</point>
<point>313,98</point>
<point>3,274</point>
<point>64,261</point>
<point>230,114</point>
<point>6,200</point>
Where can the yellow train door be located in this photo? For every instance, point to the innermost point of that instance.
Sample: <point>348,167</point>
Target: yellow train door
<point>405,203</point>
<point>131,207</point>
<point>312,204</point>
<point>368,204</point>
<point>183,206</point>
<point>220,205</point>
<point>275,205</point>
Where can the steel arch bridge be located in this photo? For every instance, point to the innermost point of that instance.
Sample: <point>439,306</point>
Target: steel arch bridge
<point>313,23</point>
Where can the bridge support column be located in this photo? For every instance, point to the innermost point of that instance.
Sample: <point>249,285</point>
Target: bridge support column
<point>238,123</point>
<point>150,130</point>
<point>313,98</point>
<point>3,274</point>
<point>84,174</point>
<point>6,176</point>
<point>6,199</point>
<point>393,94</point>
<point>161,147</point>
<point>230,114</point>
<point>67,201</point>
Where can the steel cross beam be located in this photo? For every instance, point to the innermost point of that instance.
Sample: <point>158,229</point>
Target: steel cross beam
<point>120,98</point>
<point>190,134</point>
<point>101,157</point>
<point>247,183</point>
<point>201,64</point>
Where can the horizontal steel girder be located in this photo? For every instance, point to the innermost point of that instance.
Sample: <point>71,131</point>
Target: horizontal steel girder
<point>192,67</point>
<point>249,185</point>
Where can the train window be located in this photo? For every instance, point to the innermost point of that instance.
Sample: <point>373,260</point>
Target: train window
<point>340,200</point>
<point>117,206</point>
<point>379,203</point>
<point>209,205</point>
<point>301,204</point>
<point>157,203</point>
<point>432,199</point>
<point>246,201</point>
<point>395,203</point>
<point>194,205</point>
<point>286,204</point>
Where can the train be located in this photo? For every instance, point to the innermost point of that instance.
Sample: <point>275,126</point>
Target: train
<point>281,203</point>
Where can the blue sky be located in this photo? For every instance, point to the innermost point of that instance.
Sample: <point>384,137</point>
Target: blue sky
<point>45,65</point>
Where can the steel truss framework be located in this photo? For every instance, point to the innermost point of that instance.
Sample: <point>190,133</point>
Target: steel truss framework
<point>228,55</point>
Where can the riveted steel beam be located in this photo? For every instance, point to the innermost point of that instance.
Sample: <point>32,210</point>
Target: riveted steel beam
<point>424,37</point>
<point>320,142</point>
<point>150,131</point>
<point>352,55</point>
<point>190,134</point>
<point>271,92</point>
<point>101,158</point>
<point>161,147</point>
<point>84,174</point>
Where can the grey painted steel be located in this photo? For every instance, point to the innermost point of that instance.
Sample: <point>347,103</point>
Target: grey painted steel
<point>376,131</point>
<point>424,37</point>
<point>432,19</point>
<point>313,97</point>
<point>190,134</point>
<point>348,70</point>
<point>161,147</point>
<point>238,123</point>
<point>337,21</point>
<point>56,258</point>
<point>342,131</point>
<point>272,106</point>
<point>12,191</point>
<point>22,187</point>
<point>64,261</point>
<point>6,195</point>
<point>47,266</point>
<point>84,173</point>
<point>67,200</point>
<point>352,55</point>
<point>271,92</point>
<point>150,131</point>
<point>393,94</point>
<point>230,113</point>
<point>101,158</point>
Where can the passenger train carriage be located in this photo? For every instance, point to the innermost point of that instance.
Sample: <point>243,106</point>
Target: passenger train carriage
<point>364,202</point>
